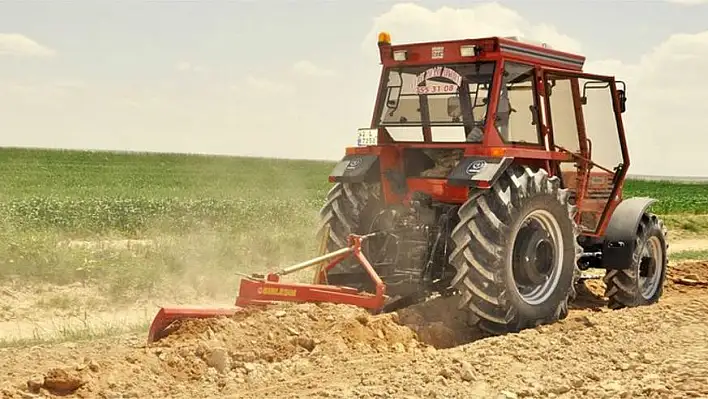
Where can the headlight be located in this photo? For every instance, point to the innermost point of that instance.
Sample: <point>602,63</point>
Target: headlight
<point>467,51</point>
<point>399,55</point>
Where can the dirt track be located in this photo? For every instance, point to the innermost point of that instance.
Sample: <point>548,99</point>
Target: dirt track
<point>336,351</point>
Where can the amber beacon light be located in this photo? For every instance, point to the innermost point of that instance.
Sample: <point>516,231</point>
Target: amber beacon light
<point>384,38</point>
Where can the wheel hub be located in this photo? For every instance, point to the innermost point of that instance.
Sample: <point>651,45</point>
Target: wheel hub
<point>649,273</point>
<point>537,257</point>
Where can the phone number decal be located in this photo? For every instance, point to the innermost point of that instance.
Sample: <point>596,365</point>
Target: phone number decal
<point>436,89</point>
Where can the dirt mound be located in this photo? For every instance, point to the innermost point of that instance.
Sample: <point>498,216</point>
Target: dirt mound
<point>282,331</point>
<point>280,339</point>
<point>687,274</point>
<point>309,350</point>
<point>439,323</point>
<point>251,346</point>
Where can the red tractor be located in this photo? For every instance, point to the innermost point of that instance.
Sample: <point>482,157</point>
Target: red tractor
<point>493,169</point>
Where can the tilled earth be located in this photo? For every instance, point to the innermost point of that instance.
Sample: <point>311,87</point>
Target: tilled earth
<point>308,350</point>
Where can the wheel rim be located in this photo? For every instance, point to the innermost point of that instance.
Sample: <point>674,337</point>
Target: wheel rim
<point>649,273</point>
<point>537,257</point>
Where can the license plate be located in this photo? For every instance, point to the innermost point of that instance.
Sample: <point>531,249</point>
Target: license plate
<point>367,137</point>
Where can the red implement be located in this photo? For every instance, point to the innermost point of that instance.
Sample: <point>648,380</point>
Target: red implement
<point>264,290</point>
<point>165,316</point>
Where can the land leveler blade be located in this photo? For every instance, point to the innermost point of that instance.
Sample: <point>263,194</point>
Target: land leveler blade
<point>259,290</point>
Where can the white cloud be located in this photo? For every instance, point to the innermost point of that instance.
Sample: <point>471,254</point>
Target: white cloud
<point>666,112</point>
<point>257,85</point>
<point>71,84</point>
<point>37,92</point>
<point>408,22</point>
<point>19,45</point>
<point>185,66</point>
<point>310,69</point>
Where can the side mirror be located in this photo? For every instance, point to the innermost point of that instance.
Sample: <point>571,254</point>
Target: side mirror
<point>623,100</point>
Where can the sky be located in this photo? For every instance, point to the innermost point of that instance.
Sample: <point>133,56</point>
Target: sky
<point>296,79</point>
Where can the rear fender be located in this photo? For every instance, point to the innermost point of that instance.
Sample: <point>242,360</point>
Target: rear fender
<point>356,168</point>
<point>620,237</point>
<point>478,171</point>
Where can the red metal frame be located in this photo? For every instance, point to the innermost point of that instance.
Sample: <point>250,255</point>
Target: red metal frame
<point>585,145</point>
<point>259,291</point>
<point>492,49</point>
<point>545,154</point>
<point>271,289</point>
<point>162,322</point>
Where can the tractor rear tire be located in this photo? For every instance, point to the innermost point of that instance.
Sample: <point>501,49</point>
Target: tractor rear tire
<point>643,282</point>
<point>488,267</point>
<point>349,209</point>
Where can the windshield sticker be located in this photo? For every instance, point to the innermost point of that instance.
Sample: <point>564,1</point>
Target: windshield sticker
<point>448,88</point>
<point>440,72</point>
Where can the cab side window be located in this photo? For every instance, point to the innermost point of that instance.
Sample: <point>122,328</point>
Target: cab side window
<point>517,115</point>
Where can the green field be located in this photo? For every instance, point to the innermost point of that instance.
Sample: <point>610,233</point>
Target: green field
<point>98,192</point>
<point>214,215</point>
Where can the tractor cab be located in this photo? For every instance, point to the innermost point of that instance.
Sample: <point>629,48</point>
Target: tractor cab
<point>477,91</point>
<point>441,104</point>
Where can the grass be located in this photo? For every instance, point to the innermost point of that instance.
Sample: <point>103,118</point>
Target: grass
<point>686,225</point>
<point>689,255</point>
<point>29,173</point>
<point>58,180</point>
<point>209,216</point>
<point>674,198</point>
<point>65,332</point>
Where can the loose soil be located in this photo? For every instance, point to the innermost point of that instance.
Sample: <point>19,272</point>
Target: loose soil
<point>334,351</point>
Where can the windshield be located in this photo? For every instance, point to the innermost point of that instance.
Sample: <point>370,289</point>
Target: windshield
<point>450,99</point>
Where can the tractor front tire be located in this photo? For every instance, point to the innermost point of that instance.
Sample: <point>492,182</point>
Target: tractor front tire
<point>643,282</point>
<point>518,233</point>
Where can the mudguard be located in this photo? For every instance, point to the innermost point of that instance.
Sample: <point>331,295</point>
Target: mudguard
<point>355,168</point>
<point>470,171</point>
<point>620,236</point>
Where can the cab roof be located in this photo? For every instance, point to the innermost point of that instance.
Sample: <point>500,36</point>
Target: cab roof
<point>472,50</point>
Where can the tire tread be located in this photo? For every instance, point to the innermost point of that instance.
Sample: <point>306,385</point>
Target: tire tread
<point>479,248</point>
<point>622,289</point>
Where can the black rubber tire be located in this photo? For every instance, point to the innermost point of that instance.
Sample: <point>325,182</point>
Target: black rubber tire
<point>623,287</point>
<point>349,208</point>
<point>484,239</point>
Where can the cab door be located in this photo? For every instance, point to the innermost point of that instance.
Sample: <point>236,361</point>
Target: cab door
<point>583,115</point>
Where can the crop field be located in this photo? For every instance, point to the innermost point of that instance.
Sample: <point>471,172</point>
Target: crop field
<point>674,198</point>
<point>99,192</point>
